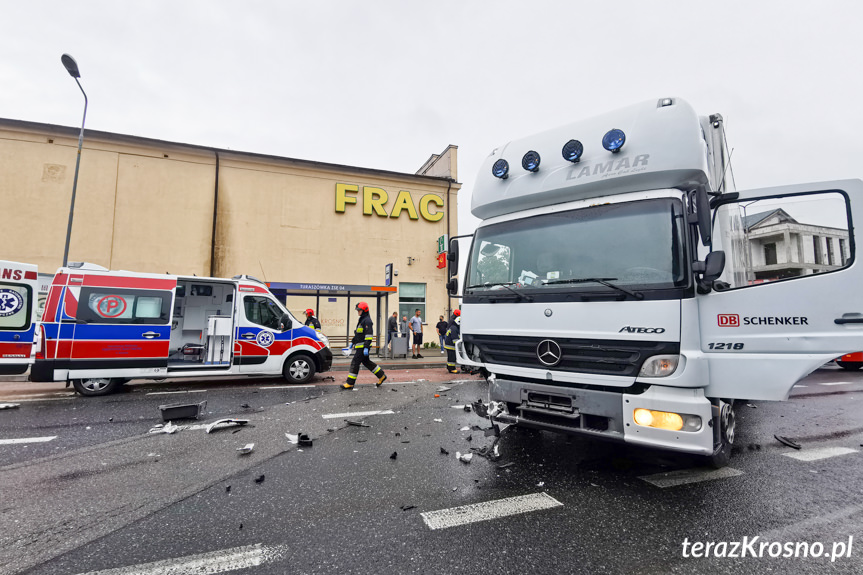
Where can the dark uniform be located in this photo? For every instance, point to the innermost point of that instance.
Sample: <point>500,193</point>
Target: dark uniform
<point>453,333</point>
<point>362,343</point>
<point>313,321</point>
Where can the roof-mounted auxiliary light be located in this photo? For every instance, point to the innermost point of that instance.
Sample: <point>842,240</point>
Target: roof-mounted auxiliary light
<point>500,169</point>
<point>665,102</point>
<point>572,151</point>
<point>530,161</point>
<point>613,140</point>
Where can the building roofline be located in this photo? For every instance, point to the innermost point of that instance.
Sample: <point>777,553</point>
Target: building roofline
<point>140,140</point>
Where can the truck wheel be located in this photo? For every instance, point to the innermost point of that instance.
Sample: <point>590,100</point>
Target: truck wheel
<point>94,386</point>
<point>726,424</point>
<point>850,365</point>
<point>299,368</point>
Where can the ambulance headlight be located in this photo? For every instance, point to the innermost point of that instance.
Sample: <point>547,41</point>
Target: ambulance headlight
<point>660,366</point>
<point>530,161</point>
<point>500,169</point>
<point>572,151</point>
<point>613,140</point>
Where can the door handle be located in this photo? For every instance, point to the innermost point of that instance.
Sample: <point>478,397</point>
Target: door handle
<point>843,320</point>
<point>248,336</point>
<point>150,334</point>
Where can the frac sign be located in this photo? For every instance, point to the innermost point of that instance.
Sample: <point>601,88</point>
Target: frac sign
<point>375,202</point>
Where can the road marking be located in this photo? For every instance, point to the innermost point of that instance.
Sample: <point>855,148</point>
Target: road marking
<point>822,453</point>
<point>836,382</point>
<point>358,414</point>
<point>27,440</point>
<point>288,387</point>
<point>204,563</point>
<point>488,510</point>
<point>172,392</point>
<point>684,476</point>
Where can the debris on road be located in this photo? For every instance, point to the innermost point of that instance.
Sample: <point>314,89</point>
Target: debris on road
<point>443,389</point>
<point>293,438</point>
<point>439,420</point>
<point>246,449</point>
<point>182,411</point>
<point>408,507</point>
<point>225,423</point>
<point>444,451</point>
<point>164,428</point>
<point>357,423</point>
<point>259,479</point>
<point>505,465</point>
<point>9,405</point>
<point>787,441</point>
<point>541,484</point>
<point>228,489</point>
<point>463,457</point>
<point>752,406</point>
<point>465,428</point>
<point>394,455</point>
<point>304,440</point>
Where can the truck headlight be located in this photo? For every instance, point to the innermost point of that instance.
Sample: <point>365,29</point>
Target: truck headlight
<point>660,366</point>
<point>666,420</point>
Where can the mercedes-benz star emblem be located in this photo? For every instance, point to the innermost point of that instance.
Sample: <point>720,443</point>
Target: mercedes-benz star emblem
<point>548,352</point>
<point>548,313</point>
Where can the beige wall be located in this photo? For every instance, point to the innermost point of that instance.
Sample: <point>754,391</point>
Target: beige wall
<point>147,205</point>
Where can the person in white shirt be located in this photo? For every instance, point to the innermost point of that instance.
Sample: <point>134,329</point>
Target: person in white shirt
<point>417,330</point>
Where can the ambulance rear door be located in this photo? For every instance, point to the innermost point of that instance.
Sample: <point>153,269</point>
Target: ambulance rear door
<point>18,300</point>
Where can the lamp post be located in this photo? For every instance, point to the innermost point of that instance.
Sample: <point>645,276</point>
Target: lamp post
<point>72,67</point>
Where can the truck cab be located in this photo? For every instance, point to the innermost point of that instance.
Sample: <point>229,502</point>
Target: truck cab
<point>618,287</point>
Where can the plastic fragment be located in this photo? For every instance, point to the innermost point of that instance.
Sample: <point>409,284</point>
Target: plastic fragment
<point>305,440</point>
<point>540,484</point>
<point>394,455</point>
<point>787,441</point>
<point>9,405</point>
<point>293,438</point>
<point>246,449</point>
<point>505,465</point>
<point>408,507</point>
<point>444,451</point>
<point>357,423</point>
<point>226,423</point>
<point>463,457</point>
<point>259,479</point>
<point>465,428</point>
<point>439,420</point>
<point>166,428</point>
<point>442,389</point>
<point>752,406</point>
<point>228,489</point>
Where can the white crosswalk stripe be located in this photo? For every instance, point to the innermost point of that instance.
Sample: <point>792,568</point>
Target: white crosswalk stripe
<point>488,510</point>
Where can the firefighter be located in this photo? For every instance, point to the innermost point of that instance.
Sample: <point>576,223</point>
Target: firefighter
<point>312,320</point>
<point>362,343</point>
<point>453,333</point>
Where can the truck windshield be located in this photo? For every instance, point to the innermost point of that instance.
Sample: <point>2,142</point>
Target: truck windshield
<point>635,245</point>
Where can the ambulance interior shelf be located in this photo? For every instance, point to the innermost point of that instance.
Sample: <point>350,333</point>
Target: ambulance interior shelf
<point>202,325</point>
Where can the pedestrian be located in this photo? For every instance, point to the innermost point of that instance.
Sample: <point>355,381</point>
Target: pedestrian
<point>403,328</point>
<point>441,327</point>
<point>453,333</point>
<point>417,330</point>
<point>392,331</point>
<point>362,343</point>
<point>311,320</point>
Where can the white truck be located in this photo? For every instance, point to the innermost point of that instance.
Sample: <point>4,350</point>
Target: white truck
<point>617,288</point>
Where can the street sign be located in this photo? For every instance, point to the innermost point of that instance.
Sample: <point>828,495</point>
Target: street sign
<point>388,275</point>
<point>441,244</point>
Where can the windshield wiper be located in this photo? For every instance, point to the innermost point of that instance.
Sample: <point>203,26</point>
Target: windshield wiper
<point>603,281</point>
<point>504,285</point>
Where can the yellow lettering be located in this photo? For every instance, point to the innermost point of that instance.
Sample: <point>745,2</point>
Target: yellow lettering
<point>424,207</point>
<point>342,196</point>
<point>374,198</point>
<point>404,202</point>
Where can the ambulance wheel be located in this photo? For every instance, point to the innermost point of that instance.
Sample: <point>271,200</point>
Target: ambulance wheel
<point>727,424</point>
<point>94,386</point>
<point>850,365</point>
<point>299,368</point>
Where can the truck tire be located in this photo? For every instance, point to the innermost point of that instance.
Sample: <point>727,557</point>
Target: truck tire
<point>299,368</point>
<point>850,365</point>
<point>95,386</point>
<point>726,423</point>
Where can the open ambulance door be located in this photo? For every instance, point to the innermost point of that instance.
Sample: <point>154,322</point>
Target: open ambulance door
<point>18,299</point>
<point>791,296</point>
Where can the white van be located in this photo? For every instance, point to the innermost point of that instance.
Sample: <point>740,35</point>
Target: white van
<point>18,301</point>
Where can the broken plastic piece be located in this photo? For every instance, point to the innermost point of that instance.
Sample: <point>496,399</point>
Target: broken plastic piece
<point>9,405</point>
<point>408,507</point>
<point>166,428</point>
<point>480,408</point>
<point>463,457</point>
<point>505,465</point>
<point>394,455</point>
<point>787,441</point>
<point>293,438</point>
<point>182,411</point>
<point>444,451</point>
<point>465,428</point>
<point>439,420</point>
<point>246,449</point>
<point>259,479</point>
<point>467,408</point>
<point>226,423</point>
<point>357,423</point>
<point>752,406</point>
<point>442,389</point>
<point>305,440</point>
<point>493,430</point>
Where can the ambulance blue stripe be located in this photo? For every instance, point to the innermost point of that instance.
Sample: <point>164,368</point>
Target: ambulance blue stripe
<point>96,331</point>
<point>23,336</point>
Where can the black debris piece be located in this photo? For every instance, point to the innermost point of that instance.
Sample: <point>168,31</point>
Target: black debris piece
<point>246,406</point>
<point>469,437</point>
<point>467,408</point>
<point>493,430</point>
<point>241,525</point>
<point>394,455</point>
<point>357,423</point>
<point>408,507</point>
<point>228,489</point>
<point>788,442</point>
<point>444,451</point>
<point>259,479</point>
<point>305,440</point>
<point>110,419</point>
<point>361,440</point>
<point>398,434</point>
<point>182,411</point>
<point>406,440</point>
<point>329,377</point>
<point>237,430</point>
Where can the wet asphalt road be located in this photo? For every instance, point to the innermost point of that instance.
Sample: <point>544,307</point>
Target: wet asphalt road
<point>113,496</point>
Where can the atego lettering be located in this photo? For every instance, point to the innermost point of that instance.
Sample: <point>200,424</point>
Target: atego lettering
<point>772,320</point>
<point>629,329</point>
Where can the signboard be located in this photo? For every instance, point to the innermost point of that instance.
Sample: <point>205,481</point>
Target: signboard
<point>441,244</point>
<point>388,275</point>
<point>441,261</point>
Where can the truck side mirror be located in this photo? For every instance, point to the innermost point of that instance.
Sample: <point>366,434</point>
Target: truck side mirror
<point>452,286</point>
<point>452,258</point>
<point>710,270</point>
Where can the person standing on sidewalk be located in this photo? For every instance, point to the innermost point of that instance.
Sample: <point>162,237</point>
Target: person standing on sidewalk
<point>453,333</point>
<point>403,328</point>
<point>441,327</point>
<point>417,330</point>
<point>392,331</point>
<point>362,343</point>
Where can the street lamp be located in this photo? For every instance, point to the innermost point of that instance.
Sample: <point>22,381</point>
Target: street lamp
<point>72,67</point>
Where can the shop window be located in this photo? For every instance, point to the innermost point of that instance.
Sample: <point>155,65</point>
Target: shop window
<point>412,297</point>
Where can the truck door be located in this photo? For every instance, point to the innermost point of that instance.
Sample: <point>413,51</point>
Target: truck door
<point>18,299</point>
<point>790,298</point>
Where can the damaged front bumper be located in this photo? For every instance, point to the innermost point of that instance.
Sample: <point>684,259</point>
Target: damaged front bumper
<point>603,414</point>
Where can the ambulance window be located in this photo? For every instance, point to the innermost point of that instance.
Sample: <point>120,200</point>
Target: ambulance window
<point>262,311</point>
<point>15,306</point>
<point>123,306</point>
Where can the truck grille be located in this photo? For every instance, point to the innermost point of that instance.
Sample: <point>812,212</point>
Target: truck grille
<point>594,356</point>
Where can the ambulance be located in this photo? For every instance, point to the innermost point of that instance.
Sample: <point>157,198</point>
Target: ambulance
<point>18,301</point>
<point>101,328</point>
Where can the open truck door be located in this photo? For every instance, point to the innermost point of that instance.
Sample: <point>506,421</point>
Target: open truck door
<point>18,300</point>
<point>790,297</point>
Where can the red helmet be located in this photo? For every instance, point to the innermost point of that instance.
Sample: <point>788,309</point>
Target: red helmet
<point>457,313</point>
<point>310,311</point>
<point>363,306</point>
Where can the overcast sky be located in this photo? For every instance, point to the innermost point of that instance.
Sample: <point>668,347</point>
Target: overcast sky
<point>384,84</point>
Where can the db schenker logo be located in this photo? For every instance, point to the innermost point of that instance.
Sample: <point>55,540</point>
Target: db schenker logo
<point>728,320</point>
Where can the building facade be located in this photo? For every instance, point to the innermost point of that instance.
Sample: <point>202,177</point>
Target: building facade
<point>164,207</point>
